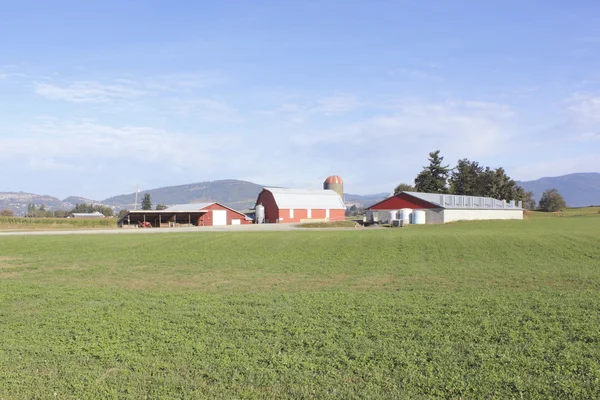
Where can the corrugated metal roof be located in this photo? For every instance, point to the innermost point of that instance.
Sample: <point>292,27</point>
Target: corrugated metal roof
<point>189,207</point>
<point>458,201</point>
<point>307,199</point>
<point>92,214</point>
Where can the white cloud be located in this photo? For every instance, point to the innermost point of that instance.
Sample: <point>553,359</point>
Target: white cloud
<point>93,91</point>
<point>335,104</point>
<point>557,166</point>
<point>585,108</point>
<point>475,128</point>
<point>207,109</point>
<point>86,92</point>
<point>299,112</point>
<point>415,73</point>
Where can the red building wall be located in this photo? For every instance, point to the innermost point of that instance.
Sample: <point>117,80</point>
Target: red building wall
<point>207,219</point>
<point>274,213</point>
<point>402,200</point>
<point>268,201</point>
<point>302,214</point>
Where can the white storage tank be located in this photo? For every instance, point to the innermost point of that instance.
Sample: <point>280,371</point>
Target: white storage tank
<point>259,214</point>
<point>405,215</point>
<point>392,216</point>
<point>418,217</point>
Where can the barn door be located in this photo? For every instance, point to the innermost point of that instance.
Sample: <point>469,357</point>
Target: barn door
<point>219,217</point>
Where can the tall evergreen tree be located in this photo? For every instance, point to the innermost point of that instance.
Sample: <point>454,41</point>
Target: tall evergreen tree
<point>147,202</point>
<point>433,178</point>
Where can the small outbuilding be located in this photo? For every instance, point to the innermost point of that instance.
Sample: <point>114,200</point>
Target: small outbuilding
<point>92,215</point>
<point>200,214</point>
<point>300,205</point>
<point>444,208</point>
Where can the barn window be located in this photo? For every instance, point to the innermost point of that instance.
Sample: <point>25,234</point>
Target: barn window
<point>292,213</point>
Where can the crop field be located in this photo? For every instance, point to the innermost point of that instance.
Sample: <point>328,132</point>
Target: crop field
<point>500,310</point>
<point>21,223</point>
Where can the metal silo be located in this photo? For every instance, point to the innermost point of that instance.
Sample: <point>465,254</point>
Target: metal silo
<point>336,184</point>
<point>418,217</point>
<point>259,213</point>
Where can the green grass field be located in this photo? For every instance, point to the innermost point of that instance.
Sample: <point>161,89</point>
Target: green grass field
<point>504,309</point>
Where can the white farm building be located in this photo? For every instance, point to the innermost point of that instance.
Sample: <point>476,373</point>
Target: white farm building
<point>444,208</point>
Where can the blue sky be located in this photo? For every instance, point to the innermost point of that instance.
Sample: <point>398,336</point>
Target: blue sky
<point>98,97</point>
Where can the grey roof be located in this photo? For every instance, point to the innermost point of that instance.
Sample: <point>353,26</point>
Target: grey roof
<point>189,207</point>
<point>307,199</point>
<point>92,214</point>
<point>458,201</point>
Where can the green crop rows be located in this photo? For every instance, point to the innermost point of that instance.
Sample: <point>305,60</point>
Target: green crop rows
<point>17,223</point>
<point>506,309</point>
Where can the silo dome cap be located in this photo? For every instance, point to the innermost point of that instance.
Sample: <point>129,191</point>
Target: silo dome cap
<point>334,179</point>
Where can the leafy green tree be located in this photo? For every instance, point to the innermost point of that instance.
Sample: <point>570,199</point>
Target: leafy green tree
<point>403,187</point>
<point>552,201</point>
<point>161,207</point>
<point>147,202</point>
<point>528,201</point>
<point>433,178</point>
<point>60,214</point>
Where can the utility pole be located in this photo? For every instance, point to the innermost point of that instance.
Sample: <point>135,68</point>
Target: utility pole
<point>137,190</point>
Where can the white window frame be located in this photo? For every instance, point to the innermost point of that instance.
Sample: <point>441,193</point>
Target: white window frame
<point>291,213</point>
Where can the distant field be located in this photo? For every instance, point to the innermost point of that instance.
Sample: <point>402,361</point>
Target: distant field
<point>503,309</point>
<point>20,223</point>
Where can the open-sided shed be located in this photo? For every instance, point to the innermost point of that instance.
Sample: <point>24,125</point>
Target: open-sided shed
<point>201,214</point>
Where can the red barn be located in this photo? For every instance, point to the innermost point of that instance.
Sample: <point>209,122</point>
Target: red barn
<point>299,205</point>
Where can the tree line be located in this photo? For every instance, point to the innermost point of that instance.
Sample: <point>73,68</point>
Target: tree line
<point>469,178</point>
<point>41,211</point>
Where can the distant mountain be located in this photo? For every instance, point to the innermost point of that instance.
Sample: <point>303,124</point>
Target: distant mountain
<point>579,190</point>
<point>18,201</point>
<point>239,195</point>
<point>79,200</point>
<point>364,200</point>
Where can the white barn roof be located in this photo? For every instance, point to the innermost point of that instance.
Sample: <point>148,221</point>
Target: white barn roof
<point>458,201</point>
<point>307,199</point>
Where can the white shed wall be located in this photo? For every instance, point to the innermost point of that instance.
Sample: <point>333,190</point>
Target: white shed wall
<point>434,215</point>
<point>471,215</point>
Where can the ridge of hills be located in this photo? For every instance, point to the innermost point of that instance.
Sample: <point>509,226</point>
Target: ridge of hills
<point>579,190</point>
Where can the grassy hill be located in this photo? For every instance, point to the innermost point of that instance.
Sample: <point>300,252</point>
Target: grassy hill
<point>501,309</point>
<point>236,194</point>
<point>239,195</point>
<point>579,190</point>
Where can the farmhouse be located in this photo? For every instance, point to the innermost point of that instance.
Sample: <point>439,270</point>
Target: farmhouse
<point>277,205</point>
<point>201,214</point>
<point>443,208</point>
